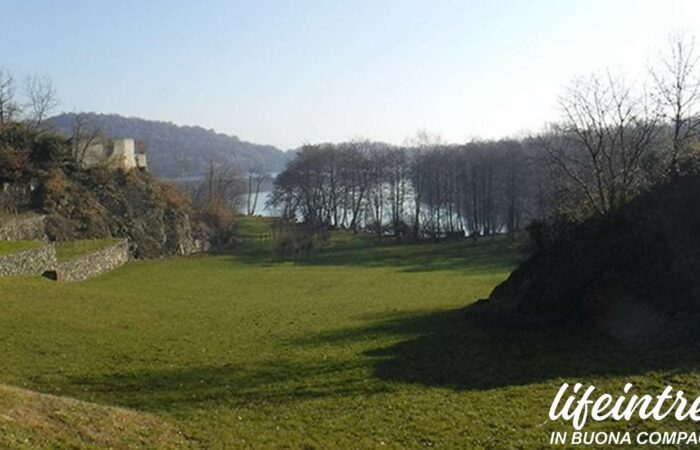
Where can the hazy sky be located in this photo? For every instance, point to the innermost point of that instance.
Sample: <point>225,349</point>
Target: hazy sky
<point>287,72</point>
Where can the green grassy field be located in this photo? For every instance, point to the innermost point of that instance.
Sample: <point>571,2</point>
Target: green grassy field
<point>72,249</point>
<point>361,346</point>
<point>7,247</point>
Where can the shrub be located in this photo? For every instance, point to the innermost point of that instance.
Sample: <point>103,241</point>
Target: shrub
<point>12,163</point>
<point>222,222</point>
<point>296,241</point>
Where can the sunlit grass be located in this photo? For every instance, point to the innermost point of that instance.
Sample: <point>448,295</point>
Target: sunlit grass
<point>70,250</point>
<point>360,346</point>
<point>7,247</point>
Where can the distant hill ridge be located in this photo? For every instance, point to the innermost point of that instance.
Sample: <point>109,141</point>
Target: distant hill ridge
<point>180,151</point>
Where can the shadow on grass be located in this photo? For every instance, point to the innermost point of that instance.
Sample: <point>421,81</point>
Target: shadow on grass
<point>454,349</point>
<point>449,349</point>
<point>271,383</point>
<point>465,257</point>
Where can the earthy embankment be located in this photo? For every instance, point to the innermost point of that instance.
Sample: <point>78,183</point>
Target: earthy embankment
<point>30,420</point>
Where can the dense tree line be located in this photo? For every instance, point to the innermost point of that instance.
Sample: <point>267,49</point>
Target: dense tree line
<point>423,189</point>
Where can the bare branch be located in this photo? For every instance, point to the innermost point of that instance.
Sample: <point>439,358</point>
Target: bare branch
<point>41,99</point>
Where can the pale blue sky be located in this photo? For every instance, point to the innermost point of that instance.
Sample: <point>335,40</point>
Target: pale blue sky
<point>287,72</point>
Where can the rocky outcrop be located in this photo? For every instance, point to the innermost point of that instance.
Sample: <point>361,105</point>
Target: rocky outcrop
<point>16,196</point>
<point>33,261</point>
<point>26,227</point>
<point>39,174</point>
<point>154,217</point>
<point>88,266</point>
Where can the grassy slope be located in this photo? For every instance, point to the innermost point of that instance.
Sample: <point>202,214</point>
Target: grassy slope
<point>30,420</point>
<point>359,347</point>
<point>69,250</point>
<point>7,247</point>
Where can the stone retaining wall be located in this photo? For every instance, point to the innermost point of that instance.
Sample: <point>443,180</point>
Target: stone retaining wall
<point>34,261</point>
<point>93,264</point>
<point>22,228</point>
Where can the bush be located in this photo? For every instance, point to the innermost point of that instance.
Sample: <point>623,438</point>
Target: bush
<point>296,241</point>
<point>221,221</point>
<point>12,163</point>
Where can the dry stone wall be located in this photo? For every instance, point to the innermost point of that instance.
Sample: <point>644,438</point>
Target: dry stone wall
<point>87,266</point>
<point>35,261</point>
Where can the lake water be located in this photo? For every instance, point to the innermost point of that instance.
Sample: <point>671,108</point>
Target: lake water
<point>262,209</point>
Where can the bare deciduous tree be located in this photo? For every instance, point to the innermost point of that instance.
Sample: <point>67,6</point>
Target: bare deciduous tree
<point>255,179</point>
<point>677,81</point>
<point>423,142</point>
<point>83,136</point>
<point>8,107</point>
<point>600,145</point>
<point>221,189</point>
<point>41,99</point>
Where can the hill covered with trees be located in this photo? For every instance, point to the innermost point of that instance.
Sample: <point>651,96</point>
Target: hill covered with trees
<point>179,151</point>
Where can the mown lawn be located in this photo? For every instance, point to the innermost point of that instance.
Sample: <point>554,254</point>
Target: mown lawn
<point>73,249</point>
<point>362,346</point>
<point>7,247</point>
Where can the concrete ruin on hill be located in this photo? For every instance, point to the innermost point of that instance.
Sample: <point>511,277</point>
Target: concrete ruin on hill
<point>115,154</point>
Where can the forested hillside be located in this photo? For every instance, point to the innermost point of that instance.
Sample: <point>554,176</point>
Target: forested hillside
<point>180,151</point>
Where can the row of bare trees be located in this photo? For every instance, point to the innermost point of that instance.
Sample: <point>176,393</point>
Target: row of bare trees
<point>424,189</point>
<point>613,140</point>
